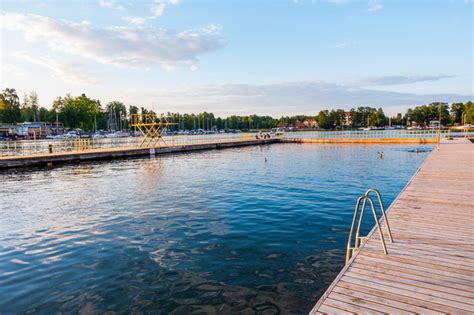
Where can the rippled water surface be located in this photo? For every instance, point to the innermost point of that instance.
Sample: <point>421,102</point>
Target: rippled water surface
<point>208,232</point>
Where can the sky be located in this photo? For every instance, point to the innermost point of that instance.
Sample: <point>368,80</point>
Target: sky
<point>241,57</point>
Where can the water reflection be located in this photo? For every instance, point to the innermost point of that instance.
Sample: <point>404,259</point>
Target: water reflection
<point>210,232</point>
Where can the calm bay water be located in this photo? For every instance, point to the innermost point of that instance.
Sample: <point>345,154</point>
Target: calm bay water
<point>215,232</point>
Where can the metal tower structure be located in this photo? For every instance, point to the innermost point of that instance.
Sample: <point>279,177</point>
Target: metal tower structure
<point>151,127</point>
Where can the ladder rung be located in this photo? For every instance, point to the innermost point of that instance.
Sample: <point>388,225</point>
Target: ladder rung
<point>363,239</point>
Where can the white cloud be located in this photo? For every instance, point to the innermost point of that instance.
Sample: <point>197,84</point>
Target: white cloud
<point>398,80</point>
<point>159,7</point>
<point>67,71</point>
<point>212,29</point>
<point>375,7</point>
<point>110,4</point>
<point>338,1</point>
<point>119,46</point>
<point>344,44</point>
<point>280,98</point>
<point>8,69</point>
<point>135,20</point>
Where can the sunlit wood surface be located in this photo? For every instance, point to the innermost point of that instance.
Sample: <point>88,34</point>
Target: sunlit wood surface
<point>429,268</point>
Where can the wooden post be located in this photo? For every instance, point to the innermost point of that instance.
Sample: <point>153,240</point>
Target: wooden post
<point>439,129</point>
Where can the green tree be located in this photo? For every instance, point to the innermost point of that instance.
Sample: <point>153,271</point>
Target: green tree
<point>422,115</point>
<point>45,114</point>
<point>30,107</point>
<point>439,108</point>
<point>377,118</point>
<point>469,113</point>
<point>457,110</point>
<point>117,115</point>
<point>364,116</point>
<point>324,120</point>
<point>337,118</point>
<point>133,110</point>
<point>397,120</point>
<point>10,111</point>
<point>78,112</point>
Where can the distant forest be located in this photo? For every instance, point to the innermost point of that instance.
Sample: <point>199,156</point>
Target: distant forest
<point>89,114</point>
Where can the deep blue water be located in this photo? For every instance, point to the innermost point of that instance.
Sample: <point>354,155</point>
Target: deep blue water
<point>217,232</point>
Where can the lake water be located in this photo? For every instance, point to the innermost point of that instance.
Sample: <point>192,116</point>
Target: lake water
<point>213,232</point>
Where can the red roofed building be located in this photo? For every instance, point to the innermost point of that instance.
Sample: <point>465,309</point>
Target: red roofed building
<point>299,125</point>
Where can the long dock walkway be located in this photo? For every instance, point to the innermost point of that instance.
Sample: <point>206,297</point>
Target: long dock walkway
<point>429,268</point>
<point>120,152</point>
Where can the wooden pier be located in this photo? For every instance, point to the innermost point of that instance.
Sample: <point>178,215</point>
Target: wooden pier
<point>89,153</point>
<point>119,152</point>
<point>429,268</point>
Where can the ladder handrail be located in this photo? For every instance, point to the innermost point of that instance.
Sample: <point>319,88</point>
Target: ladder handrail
<point>382,208</point>
<point>354,219</point>
<point>350,250</point>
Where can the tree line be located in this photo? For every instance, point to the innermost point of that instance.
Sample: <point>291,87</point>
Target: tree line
<point>89,114</point>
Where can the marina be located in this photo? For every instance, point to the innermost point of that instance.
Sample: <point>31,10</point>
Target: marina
<point>53,152</point>
<point>173,157</point>
<point>205,231</point>
<point>425,220</point>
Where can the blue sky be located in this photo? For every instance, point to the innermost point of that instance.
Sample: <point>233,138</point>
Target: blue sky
<point>241,57</point>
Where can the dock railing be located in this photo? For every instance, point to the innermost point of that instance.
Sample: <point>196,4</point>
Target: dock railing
<point>374,134</point>
<point>47,146</point>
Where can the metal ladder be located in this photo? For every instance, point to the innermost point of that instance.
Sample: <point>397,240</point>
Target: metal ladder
<point>359,240</point>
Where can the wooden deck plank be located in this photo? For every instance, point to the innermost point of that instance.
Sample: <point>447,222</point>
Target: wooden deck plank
<point>431,256</point>
<point>458,263</point>
<point>413,245</point>
<point>384,304</point>
<point>430,266</point>
<point>441,284</point>
<point>421,293</point>
<point>437,289</point>
<point>367,302</point>
<point>426,267</point>
<point>350,307</point>
<point>417,299</point>
<point>425,273</point>
<point>408,303</point>
<point>327,309</point>
<point>418,261</point>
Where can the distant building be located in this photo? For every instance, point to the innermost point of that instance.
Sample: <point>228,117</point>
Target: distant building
<point>434,124</point>
<point>299,125</point>
<point>347,119</point>
<point>310,123</point>
<point>8,130</point>
<point>57,128</point>
<point>31,129</point>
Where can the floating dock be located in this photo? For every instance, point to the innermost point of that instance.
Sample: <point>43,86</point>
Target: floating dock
<point>430,264</point>
<point>365,140</point>
<point>119,152</point>
<point>89,153</point>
